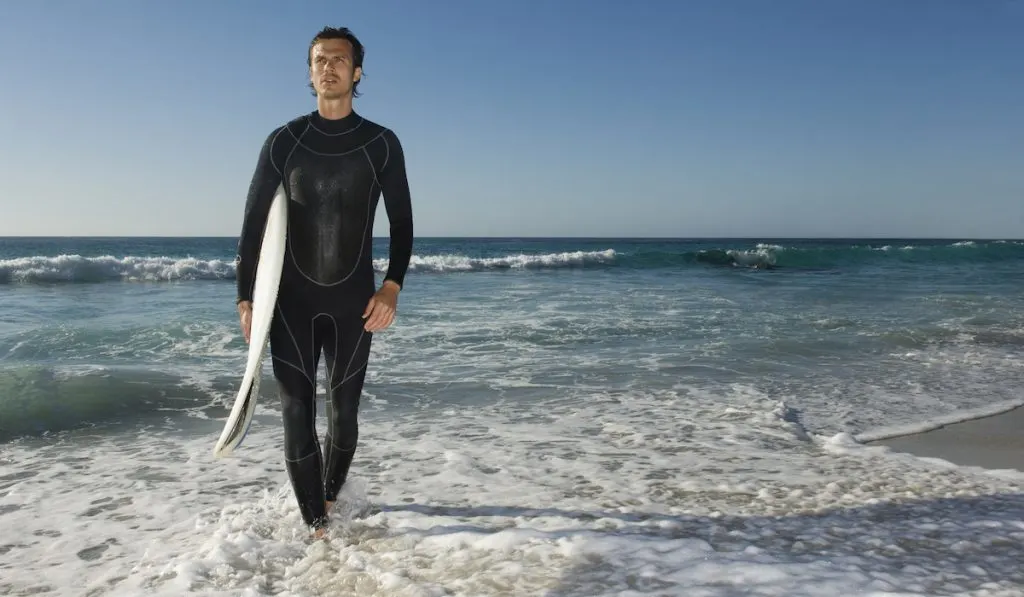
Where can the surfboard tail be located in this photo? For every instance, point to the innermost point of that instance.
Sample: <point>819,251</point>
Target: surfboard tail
<point>239,424</point>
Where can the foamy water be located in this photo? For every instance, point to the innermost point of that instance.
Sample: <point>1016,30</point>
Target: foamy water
<point>619,494</point>
<point>550,422</point>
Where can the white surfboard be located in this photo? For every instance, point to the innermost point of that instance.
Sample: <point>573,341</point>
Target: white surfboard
<point>264,300</point>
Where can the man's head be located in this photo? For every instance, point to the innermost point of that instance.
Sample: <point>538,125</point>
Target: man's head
<point>335,60</point>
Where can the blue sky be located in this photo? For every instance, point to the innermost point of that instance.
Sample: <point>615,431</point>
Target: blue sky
<point>553,118</point>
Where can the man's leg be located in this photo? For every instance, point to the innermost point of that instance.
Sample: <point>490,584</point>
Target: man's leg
<point>346,360</point>
<point>295,348</point>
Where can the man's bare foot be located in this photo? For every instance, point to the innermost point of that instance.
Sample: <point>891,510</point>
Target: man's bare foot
<point>320,533</point>
<point>327,506</point>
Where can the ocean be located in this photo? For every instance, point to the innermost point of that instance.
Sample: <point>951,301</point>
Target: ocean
<point>549,417</point>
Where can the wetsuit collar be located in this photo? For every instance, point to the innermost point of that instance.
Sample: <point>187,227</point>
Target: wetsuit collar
<point>340,125</point>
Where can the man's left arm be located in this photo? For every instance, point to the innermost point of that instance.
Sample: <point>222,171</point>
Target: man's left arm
<point>380,312</point>
<point>398,202</point>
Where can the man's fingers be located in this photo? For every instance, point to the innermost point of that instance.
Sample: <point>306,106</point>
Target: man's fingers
<point>245,319</point>
<point>374,322</point>
<point>386,318</point>
<point>369,307</point>
<point>369,316</point>
<point>382,317</point>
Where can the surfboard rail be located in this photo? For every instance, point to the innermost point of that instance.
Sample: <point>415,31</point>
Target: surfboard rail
<point>264,301</point>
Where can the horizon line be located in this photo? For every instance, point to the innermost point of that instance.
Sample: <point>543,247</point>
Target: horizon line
<point>532,237</point>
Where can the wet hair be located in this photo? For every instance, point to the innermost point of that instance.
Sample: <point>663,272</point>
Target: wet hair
<point>338,33</point>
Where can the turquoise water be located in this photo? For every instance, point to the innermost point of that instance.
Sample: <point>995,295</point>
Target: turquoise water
<point>546,417</point>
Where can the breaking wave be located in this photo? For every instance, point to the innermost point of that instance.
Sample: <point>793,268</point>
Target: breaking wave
<point>78,268</point>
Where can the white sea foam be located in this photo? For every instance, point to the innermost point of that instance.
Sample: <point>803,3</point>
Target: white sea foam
<point>76,268</point>
<point>463,263</point>
<point>616,494</point>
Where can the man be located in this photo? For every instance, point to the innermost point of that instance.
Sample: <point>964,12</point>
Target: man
<point>334,165</point>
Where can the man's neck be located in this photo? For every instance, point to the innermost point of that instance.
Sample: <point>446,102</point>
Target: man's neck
<point>334,109</point>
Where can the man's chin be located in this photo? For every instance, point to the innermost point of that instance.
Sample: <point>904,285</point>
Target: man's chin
<point>332,94</point>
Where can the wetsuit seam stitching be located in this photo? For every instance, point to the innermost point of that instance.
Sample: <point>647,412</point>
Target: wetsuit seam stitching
<point>329,403</point>
<point>373,168</point>
<point>309,121</point>
<point>345,376</point>
<point>298,352</point>
<point>284,361</point>
<point>273,162</point>
<point>303,458</point>
<point>299,143</point>
<point>353,374</point>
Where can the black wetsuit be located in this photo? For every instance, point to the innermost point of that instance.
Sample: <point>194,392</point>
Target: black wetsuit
<point>334,172</point>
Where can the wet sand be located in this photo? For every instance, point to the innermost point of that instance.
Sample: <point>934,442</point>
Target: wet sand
<point>995,442</point>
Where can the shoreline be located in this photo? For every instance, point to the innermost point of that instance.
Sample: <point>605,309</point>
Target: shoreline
<point>994,441</point>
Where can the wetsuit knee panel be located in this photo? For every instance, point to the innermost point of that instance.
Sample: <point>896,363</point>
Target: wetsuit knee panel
<point>345,413</point>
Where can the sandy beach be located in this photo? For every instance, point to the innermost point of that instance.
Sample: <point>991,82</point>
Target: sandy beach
<point>993,442</point>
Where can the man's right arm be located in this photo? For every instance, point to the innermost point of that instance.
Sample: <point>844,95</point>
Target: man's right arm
<point>265,181</point>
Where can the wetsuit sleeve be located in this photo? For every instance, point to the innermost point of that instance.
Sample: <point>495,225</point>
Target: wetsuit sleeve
<point>265,181</point>
<point>397,201</point>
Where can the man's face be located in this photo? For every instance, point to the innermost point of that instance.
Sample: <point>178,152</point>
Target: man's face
<point>332,73</point>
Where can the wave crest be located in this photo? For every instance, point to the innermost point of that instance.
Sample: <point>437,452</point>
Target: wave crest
<point>76,268</point>
<point>796,255</point>
<point>463,263</point>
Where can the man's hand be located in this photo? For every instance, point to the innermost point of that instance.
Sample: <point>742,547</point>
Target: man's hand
<point>380,311</point>
<point>245,317</point>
